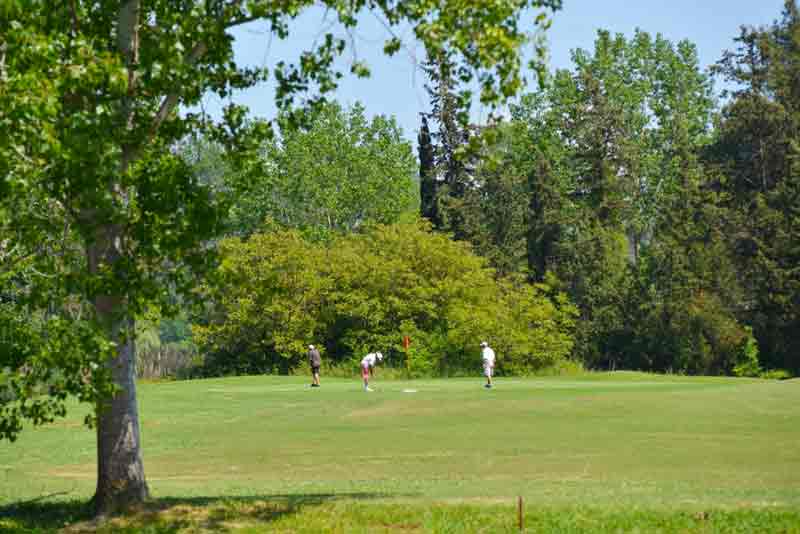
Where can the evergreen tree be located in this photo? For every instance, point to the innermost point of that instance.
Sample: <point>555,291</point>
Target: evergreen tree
<point>428,184</point>
<point>449,115</point>
<point>756,153</point>
<point>610,161</point>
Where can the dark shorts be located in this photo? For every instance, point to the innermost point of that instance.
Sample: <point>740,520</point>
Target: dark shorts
<point>314,369</point>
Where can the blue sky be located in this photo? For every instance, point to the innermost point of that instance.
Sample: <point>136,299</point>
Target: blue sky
<point>396,86</point>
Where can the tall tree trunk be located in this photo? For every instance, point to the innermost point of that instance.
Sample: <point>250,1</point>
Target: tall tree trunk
<point>120,471</point>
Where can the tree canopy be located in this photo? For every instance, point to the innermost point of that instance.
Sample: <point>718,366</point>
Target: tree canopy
<point>341,171</point>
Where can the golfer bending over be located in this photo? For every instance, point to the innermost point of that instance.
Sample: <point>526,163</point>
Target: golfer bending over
<point>487,354</point>
<point>367,363</point>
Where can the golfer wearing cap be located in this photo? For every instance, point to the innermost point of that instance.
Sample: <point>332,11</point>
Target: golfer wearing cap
<point>314,360</point>
<point>367,363</point>
<point>487,354</point>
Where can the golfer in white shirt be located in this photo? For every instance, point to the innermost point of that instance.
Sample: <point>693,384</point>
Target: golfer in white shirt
<point>367,363</point>
<point>487,354</point>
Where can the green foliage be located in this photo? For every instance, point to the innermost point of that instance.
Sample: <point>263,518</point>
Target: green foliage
<point>264,285</point>
<point>680,312</point>
<point>493,209</point>
<point>755,154</point>
<point>421,361</point>
<point>444,164</point>
<point>361,292</point>
<point>747,361</point>
<point>45,359</point>
<point>164,347</point>
<point>428,183</point>
<point>595,274</point>
<point>615,209</point>
<point>711,340</point>
<point>340,172</point>
<point>602,150</point>
<point>631,111</point>
<point>776,374</point>
<point>568,367</point>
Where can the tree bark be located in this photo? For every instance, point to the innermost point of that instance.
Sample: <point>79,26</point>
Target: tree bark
<point>120,471</point>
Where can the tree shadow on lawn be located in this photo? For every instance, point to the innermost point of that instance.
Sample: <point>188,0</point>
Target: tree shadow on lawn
<point>166,514</point>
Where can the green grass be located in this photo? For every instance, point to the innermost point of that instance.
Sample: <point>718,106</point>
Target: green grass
<point>600,452</point>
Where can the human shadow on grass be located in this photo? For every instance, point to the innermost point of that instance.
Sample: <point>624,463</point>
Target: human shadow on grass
<point>167,514</point>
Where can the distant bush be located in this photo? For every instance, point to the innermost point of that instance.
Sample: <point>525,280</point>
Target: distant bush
<point>170,360</point>
<point>567,367</point>
<point>746,363</point>
<point>164,348</point>
<point>274,293</point>
<point>687,334</point>
<point>776,374</point>
<point>718,343</point>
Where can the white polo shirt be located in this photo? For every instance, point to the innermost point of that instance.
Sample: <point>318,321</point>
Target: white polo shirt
<point>369,360</point>
<point>488,357</point>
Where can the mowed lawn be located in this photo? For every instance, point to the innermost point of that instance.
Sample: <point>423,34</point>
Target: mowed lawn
<point>611,441</point>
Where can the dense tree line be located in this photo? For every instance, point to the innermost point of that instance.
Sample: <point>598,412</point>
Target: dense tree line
<point>670,222</point>
<point>756,156</point>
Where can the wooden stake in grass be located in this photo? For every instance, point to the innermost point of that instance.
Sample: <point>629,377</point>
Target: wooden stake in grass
<point>519,514</point>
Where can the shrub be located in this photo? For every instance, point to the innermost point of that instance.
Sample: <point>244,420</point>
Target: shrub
<point>567,367</point>
<point>694,334</point>
<point>274,293</point>
<point>747,356</point>
<point>164,348</point>
<point>776,374</point>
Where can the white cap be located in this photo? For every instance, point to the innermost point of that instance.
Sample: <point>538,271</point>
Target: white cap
<point>484,344</point>
<point>311,346</point>
<point>380,356</point>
